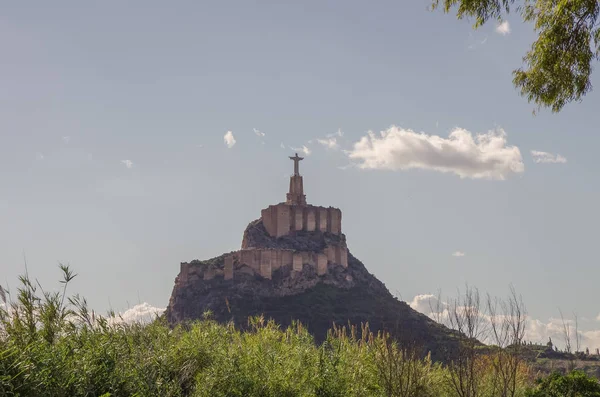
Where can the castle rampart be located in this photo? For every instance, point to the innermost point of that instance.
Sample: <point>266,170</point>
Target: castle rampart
<point>284,219</point>
<point>280,220</point>
<point>263,262</point>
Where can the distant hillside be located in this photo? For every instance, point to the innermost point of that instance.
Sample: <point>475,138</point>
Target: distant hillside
<point>546,360</point>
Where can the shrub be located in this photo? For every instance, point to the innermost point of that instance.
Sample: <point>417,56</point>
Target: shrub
<point>573,384</point>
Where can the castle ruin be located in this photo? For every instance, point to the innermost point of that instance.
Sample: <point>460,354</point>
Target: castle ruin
<point>290,218</point>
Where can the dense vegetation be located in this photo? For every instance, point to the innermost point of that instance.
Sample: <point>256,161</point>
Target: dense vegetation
<point>52,345</point>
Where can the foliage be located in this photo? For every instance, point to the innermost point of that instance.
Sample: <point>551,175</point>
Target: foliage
<point>53,345</point>
<point>574,384</point>
<point>559,64</point>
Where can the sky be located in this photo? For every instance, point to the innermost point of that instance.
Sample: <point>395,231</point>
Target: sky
<point>135,136</point>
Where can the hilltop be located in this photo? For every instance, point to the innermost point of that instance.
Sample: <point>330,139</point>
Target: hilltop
<point>295,265</point>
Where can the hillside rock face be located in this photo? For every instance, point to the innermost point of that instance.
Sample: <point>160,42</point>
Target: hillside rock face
<point>294,265</point>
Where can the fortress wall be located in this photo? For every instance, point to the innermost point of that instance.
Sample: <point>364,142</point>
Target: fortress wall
<point>275,259</point>
<point>283,220</point>
<point>245,270</point>
<point>256,261</point>
<point>338,254</point>
<point>297,262</point>
<point>265,264</point>
<point>298,218</point>
<point>209,273</point>
<point>311,219</point>
<point>330,252</point>
<point>247,258</point>
<point>264,261</point>
<point>307,258</point>
<point>269,220</point>
<point>344,257</point>
<point>286,258</point>
<point>335,219</point>
<point>228,267</point>
<point>321,264</point>
<point>184,269</point>
<point>322,221</point>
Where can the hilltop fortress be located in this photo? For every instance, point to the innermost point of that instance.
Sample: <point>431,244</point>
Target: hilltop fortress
<point>294,265</point>
<point>293,218</point>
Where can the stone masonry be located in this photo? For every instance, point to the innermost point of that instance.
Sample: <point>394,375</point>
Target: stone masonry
<point>284,219</point>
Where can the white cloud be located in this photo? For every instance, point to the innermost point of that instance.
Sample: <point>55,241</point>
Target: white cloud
<point>258,133</point>
<point>458,253</point>
<point>427,303</point>
<point>485,156</point>
<point>229,139</point>
<point>503,28</point>
<point>545,157</point>
<point>330,143</point>
<point>142,313</point>
<point>303,149</point>
<point>66,139</point>
<point>331,140</point>
<point>339,133</point>
<point>536,331</point>
<point>128,163</point>
<point>539,331</point>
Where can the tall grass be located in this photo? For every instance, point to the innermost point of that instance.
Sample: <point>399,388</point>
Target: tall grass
<point>51,344</point>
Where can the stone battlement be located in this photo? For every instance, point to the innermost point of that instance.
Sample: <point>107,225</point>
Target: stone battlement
<point>295,215</point>
<point>280,220</point>
<point>263,262</point>
<point>284,219</point>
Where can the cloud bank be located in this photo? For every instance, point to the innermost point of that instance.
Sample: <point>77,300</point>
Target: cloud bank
<point>425,303</point>
<point>536,331</point>
<point>142,313</point>
<point>229,139</point>
<point>545,157</point>
<point>483,156</point>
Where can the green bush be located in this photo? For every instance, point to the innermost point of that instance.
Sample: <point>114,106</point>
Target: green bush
<point>573,384</point>
<point>53,345</point>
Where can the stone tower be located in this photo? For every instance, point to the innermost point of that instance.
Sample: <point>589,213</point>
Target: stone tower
<point>296,194</point>
<point>296,215</point>
<point>292,218</point>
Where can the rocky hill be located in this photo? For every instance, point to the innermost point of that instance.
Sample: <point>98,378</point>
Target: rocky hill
<point>342,295</point>
<point>294,264</point>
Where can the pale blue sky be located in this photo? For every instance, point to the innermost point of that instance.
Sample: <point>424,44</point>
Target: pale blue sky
<point>150,82</point>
